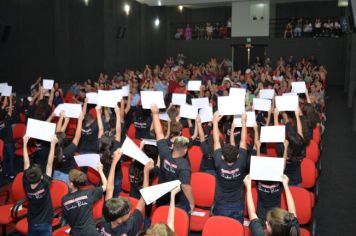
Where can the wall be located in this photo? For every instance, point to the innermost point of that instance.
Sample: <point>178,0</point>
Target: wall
<point>243,25</point>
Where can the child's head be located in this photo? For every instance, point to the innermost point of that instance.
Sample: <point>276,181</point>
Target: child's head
<point>77,179</point>
<point>33,174</point>
<point>282,223</point>
<point>160,229</point>
<point>117,209</point>
<point>230,153</point>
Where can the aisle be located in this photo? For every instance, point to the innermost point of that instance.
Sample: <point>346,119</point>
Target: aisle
<point>336,208</point>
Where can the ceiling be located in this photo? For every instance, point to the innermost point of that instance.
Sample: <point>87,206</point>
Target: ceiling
<point>207,3</point>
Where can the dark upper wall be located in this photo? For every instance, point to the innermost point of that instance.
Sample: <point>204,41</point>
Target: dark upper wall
<point>29,48</point>
<point>309,9</point>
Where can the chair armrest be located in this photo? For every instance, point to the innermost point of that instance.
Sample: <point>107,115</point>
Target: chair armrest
<point>15,209</point>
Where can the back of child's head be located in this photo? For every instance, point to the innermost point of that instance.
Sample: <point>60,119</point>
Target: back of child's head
<point>230,153</point>
<point>33,174</point>
<point>160,229</point>
<point>282,223</point>
<point>115,208</point>
<point>2,114</point>
<point>176,129</point>
<point>78,178</point>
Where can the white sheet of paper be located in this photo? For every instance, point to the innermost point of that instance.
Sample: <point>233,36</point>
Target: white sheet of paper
<point>298,87</point>
<point>188,111</point>
<point>164,116</point>
<point>273,134</point>
<point>152,97</point>
<point>266,168</point>
<point>6,91</point>
<point>126,90</point>
<point>48,83</point>
<point>130,149</point>
<point>261,104</point>
<point>71,110</point>
<point>200,102</point>
<point>239,92</point>
<point>3,84</point>
<point>90,160</point>
<point>287,103</point>
<point>179,98</point>
<point>152,193</point>
<point>41,130</point>
<point>67,231</point>
<point>109,98</point>
<point>152,142</point>
<point>194,85</point>
<point>266,93</point>
<point>197,213</point>
<point>279,78</point>
<point>250,122</point>
<point>206,114</point>
<point>92,98</point>
<point>289,94</point>
<point>228,105</point>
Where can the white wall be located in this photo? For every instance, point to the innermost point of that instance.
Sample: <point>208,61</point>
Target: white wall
<point>243,24</point>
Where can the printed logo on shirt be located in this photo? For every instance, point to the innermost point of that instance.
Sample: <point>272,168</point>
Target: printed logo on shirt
<point>36,195</point>
<point>140,125</point>
<point>88,131</point>
<point>274,188</point>
<point>170,167</point>
<point>76,202</point>
<point>230,174</point>
<point>104,233</point>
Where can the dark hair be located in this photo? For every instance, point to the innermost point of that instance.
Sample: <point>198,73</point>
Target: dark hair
<point>33,174</point>
<point>77,177</point>
<point>105,144</point>
<point>151,151</point>
<point>230,153</point>
<point>115,208</point>
<point>2,114</point>
<point>58,151</point>
<point>176,129</point>
<point>43,110</point>
<point>311,115</point>
<point>297,146</point>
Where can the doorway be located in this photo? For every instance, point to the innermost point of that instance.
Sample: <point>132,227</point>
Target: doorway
<point>246,54</point>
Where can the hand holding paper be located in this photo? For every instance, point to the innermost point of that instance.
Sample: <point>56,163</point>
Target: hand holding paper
<point>299,87</point>
<point>200,102</point>
<point>152,193</point>
<point>194,85</point>
<point>188,111</point>
<point>48,84</point>
<point>231,105</point>
<point>152,97</point>
<point>40,129</point>
<point>71,110</point>
<point>179,98</point>
<point>260,104</point>
<point>89,160</point>
<point>287,103</point>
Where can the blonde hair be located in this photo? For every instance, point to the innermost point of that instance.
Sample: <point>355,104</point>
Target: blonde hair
<point>160,230</point>
<point>282,223</point>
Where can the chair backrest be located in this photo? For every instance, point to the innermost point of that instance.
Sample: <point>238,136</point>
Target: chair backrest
<point>186,132</point>
<point>181,219</point>
<point>93,176</point>
<point>22,117</point>
<point>312,151</point>
<point>309,173</point>
<point>221,225</point>
<point>98,208</point>
<point>131,131</point>
<point>316,134</point>
<point>18,131</point>
<point>1,149</point>
<point>195,157</point>
<point>134,203</point>
<point>69,97</point>
<point>303,204</point>
<point>203,187</point>
<point>17,189</point>
<point>126,186</point>
<point>271,150</point>
<point>58,189</point>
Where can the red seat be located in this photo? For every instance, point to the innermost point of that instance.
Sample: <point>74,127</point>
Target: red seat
<point>271,150</point>
<point>17,194</point>
<point>22,117</point>
<point>61,231</point>
<point>181,219</point>
<point>203,187</point>
<point>93,176</point>
<point>222,226</point>
<point>317,134</point>
<point>186,132</point>
<point>126,186</point>
<point>1,150</point>
<point>131,131</point>
<point>195,157</point>
<point>18,131</point>
<point>312,151</point>
<point>57,189</point>
<point>309,173</point>
<point>69,97</point>
<point>303,204</point>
